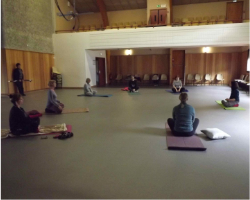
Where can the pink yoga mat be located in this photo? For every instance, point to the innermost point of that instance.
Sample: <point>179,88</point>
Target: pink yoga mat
<point>183,143</point>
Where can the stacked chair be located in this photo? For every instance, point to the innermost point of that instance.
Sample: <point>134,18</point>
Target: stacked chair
<point>199,21</point>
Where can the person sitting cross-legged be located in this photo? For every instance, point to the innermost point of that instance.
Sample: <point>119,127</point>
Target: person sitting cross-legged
<point>183,122</point>
<point>87,88</point>
<point>177,85</point>
<point>20,122</point>
<point>234,98</point>
<point>133,86</point>
<point>53,105</point>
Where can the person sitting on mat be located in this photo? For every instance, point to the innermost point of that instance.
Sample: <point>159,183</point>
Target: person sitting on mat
<point>87,88</point>
<point>132,85</point>
<point>234,98</point>
<point>177,85</point>
<point>19,120</point>
<point>184,122</point>
<point>53,105</point>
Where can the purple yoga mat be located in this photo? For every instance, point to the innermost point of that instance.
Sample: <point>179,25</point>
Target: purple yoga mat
<point>183,143</point>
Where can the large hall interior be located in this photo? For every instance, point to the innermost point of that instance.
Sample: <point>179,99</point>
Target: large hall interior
<point>97,97</point>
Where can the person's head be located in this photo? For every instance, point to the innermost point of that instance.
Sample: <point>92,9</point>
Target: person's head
<point>183,97</point>
<point>18,65</point>
<point>52,84</point>
<point>177,78</point>
<point>88,80</point>
<point>16,99</point>
<point>132,78</point>
<point>234,85</point>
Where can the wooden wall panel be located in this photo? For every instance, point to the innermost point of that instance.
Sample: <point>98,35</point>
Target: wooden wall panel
<point>227,64</point>
<point>36,66</point>
<point>140,64</point>
<point>243,63</point>
<point>4,79</point>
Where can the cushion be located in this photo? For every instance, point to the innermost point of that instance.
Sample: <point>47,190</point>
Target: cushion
<point>215,133</point>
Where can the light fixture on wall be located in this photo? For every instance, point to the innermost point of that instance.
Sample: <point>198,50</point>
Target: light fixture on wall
<point>234,0</point>
<point>128,52</point>
<point>206,49</point>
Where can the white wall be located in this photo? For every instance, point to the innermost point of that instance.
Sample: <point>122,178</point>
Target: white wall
<point>186,36</point>
<point>70,48</point>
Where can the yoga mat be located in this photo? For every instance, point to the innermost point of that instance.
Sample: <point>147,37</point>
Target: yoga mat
<point>68,129</point>
<point>97,95</point>
<point>229,108</point>
<point>133,93</point>
<point>67,111</point>
<point>170,91</point>
<point>192,143</point>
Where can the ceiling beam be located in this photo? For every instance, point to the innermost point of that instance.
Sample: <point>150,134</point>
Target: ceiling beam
<point>102,9</point>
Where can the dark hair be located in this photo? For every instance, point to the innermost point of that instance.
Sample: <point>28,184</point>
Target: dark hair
<point>18,64</point>
<point>234,85</point>
<point>15,97</point>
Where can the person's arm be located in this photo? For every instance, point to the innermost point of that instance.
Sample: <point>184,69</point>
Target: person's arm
<point>52,99</point>
<point>174,86</point>
<point>234,96</point>
<point>173,113</point>
<point>180,86</point>
<point>15,75</point>
<point>193,115</point>
<point>21,75</point>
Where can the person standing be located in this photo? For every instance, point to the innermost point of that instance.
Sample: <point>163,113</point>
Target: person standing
<point>18,78</point>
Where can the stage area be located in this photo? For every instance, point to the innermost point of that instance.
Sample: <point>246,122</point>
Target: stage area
<point>119,149</point>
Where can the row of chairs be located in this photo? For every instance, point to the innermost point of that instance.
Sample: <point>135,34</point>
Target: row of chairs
<point>244,82</point>
<point>207,78</point>
<point>191,21</point>
<point>155,78</point>
<point>121,25</point>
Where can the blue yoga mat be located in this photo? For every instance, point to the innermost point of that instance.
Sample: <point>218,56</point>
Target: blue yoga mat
<point>97,95</point>
<point>170,91</point>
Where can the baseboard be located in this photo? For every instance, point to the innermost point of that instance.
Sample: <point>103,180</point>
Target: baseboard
<point>71,88</point>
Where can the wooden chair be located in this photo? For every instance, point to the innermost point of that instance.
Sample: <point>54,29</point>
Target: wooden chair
<point>146,78</point>
<point>190,78</point>
<point>164,78</point>
<point>208,79</point>
<point>197,79</point>
<point>118,78</point>
<point>219,79</point>
<point>186,22</point>
<point>156,79</point>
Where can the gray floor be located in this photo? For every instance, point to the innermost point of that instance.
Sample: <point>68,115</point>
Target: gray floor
<point>119,149</point>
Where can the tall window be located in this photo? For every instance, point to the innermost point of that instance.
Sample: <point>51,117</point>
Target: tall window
<point>248,62</point>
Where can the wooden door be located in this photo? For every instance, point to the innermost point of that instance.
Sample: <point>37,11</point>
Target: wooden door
<point>154,17</point>
<point>178,64</point>
<point>162,16</point>
<point>235,11</point>
<point>101,72</point>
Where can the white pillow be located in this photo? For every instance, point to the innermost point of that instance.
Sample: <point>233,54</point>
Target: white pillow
<point>215,133</point>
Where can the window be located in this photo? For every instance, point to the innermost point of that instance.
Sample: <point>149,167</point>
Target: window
<point>248,62</point>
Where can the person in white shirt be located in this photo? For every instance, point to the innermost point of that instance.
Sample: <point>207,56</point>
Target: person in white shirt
<point>177,86</point>
<point>87,88</point>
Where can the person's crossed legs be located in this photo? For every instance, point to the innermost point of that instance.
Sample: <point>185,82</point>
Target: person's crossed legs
<point>171,124</point>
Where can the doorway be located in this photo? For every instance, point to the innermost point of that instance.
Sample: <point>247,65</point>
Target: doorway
<point>235,11</point>
<point>178,64</point>
<point>100,72</point>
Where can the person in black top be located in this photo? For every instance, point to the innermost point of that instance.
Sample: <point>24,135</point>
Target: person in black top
<point>19,120</point>
<point>234,99</point>
<point>132,86</point>
<point>18,77</point>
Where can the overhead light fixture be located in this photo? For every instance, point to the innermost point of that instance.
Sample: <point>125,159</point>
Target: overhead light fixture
<point>128,52</point>
<point>206,49</point>
<point>234,0</point>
